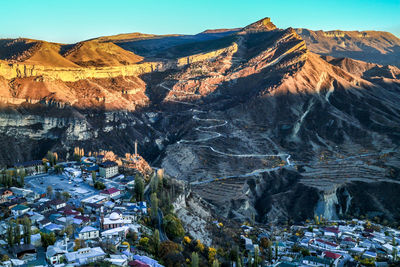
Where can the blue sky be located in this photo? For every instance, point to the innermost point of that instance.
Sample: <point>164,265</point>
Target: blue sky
<point>70,21</point>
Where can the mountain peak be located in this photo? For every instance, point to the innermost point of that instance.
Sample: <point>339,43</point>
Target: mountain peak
<point>264,24</point>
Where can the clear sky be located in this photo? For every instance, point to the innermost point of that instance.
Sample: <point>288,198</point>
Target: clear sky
<point>70,21</point>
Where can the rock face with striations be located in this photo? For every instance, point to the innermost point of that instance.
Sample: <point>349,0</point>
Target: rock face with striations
<point>257,121</point>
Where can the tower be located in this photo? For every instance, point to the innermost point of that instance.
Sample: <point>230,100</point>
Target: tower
<point>65,241</point>
<point>135,147</point>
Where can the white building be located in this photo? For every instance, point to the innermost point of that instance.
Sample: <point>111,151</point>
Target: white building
<point>110,192</point>
<point>95,199</point>
<point>56,253</point>
<point>114,220</point>
<point>85,255</point>
<point>108,169</point>
<point>88,232</point>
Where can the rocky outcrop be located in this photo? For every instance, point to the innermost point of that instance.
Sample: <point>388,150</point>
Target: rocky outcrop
<point>370,46</point>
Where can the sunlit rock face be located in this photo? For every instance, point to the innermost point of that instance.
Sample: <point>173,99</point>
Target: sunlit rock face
<point>255,120</point>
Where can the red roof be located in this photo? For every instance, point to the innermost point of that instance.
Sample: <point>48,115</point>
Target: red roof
<point>349,239</point>
<point>332,230</point>
<point>332,255</point>
<point>83,218</point>
<point>109,191</point>
<point>71,212</point>
<point>138,264</point>
<point>327,242</point>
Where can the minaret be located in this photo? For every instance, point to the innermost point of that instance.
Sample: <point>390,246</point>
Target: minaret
<point>66,239</point>
<point>101,217</point>
<point>136,147</point>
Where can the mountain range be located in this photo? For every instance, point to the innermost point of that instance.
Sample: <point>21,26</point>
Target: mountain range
<point>275,124</point>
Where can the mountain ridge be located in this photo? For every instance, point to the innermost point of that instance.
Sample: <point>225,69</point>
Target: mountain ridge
<point>254,120</point>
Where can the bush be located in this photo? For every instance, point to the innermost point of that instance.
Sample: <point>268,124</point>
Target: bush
<point>99,185</point>
<point>173,227</point>
<point>212,252</point>
<point>168,247</point>
<point>144,241</point>
<point>187,240</point>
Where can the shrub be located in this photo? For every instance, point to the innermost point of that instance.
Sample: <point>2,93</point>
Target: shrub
<point>173,226</point>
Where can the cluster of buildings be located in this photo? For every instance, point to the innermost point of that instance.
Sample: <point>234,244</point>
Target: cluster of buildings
<point>332,243</point>
<point>92,228</point>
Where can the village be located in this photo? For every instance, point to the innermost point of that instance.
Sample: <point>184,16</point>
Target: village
<point>104,210</point>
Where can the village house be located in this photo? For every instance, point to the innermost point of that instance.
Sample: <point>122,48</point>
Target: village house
<point>110,193</point>
<point>19,210</point>
<point>57,204</point>
<point>5,194</point>
<point>314,261</point>
<point>31,167</point>
<point>335,257</point>
<point>108,169</point>
<point>88,232</point>
<point>325,244</point>
<point>54,255</point>
<point>85,256</point>
<point>332,232</point>
<point>96,199</point>
<point>24,252</point>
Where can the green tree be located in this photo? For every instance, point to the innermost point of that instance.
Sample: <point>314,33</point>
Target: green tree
<point>233,255</point>
<point>17,234</point>
<point>49,191</point>
<point>155,242</point>
<point>58,168</point>
<point>4,258</point>
<point>195,259</point>
<point>305,252</point>
<point>65,195</point>
<point>22,175</point>
<point>139,188</point>
<point>154,184</point>
<point>257,259</point>
<point>10,234</point>
<point>269,251</point>
<point>216,263</point>
<point>47,239</point>
<point>173,226</point>
<point>154,206</point>
<point>26,226</point>
<point>239,262</point>
<point>51,157</point>
<point>99,185</point>
<point>94,177</point>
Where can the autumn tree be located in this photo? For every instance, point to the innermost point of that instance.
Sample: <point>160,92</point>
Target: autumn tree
<point>167,247</point>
